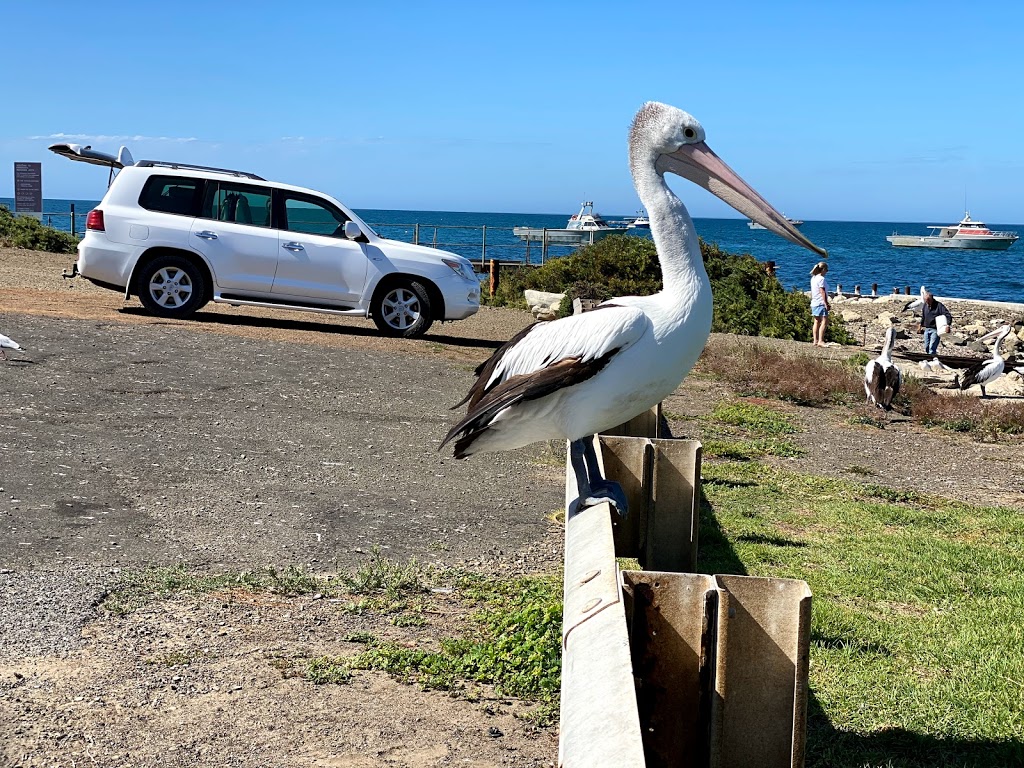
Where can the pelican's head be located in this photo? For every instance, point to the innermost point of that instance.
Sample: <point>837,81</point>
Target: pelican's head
<point>673,140</point>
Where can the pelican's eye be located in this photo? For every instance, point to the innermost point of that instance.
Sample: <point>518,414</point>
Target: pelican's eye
<point>690,133</point>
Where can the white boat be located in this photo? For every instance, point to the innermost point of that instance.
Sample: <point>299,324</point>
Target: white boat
<point>583,227</point>
<point>640,222</point>
<point>967,234</point>
<point>794,222</point>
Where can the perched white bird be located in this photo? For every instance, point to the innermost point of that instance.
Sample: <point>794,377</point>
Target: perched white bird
<point>8,343</point>
<point>987,371</point>
<point>573,377</point>
<point>882,378</point>
<point>917,303</point>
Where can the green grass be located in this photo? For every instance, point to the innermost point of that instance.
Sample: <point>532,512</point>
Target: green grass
<point>752,417</point>
<point>918,611</point>
<point>513,645</point>
<point>744,450</point>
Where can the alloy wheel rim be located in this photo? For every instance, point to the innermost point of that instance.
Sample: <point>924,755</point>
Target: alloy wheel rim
<point>401,309</point>
<point>170,287</point>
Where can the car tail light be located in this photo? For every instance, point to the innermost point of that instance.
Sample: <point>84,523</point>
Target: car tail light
<point>95,220</point>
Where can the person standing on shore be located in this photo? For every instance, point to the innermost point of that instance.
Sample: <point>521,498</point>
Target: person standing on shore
<point>819,302</point>
<point>930,312</point>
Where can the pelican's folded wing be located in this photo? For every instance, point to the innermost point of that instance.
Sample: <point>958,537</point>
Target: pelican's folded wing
<point>585,337</point>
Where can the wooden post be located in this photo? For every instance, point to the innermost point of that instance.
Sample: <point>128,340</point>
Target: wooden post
<point>906,290</point>
<point>874,289</point>
<point>495,276</point>
<point>856,291</point>
<point>544,247</point>
<point>73,233</point>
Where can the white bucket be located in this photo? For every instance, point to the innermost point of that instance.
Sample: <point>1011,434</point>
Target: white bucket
<point>941,324</point>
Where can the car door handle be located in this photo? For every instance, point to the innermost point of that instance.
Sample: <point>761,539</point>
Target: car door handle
<point>293,246</point>
<point>207,235</point>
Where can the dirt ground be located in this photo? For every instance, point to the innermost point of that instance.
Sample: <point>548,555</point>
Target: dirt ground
<point>247,438</point>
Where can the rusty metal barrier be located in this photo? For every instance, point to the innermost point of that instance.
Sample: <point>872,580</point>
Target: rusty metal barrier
<point>665,666</point>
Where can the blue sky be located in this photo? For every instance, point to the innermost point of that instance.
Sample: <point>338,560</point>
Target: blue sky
<point>873,111</point>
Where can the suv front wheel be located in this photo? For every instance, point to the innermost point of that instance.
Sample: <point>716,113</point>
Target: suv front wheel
<point>171,286</point>
<point>402,309</point>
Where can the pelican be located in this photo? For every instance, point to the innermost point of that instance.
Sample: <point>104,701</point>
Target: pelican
<point>986,371</point>
<point>917,303</point>
<point>6,342</point>
<point>571,378</point>
<point>882,378</point>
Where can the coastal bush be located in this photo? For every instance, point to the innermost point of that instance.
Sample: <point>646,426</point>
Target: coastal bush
<point>28,232</point>
<point>962,413</point>
<point>747,300</point>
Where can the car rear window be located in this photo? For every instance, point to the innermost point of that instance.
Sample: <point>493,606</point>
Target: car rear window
<point>171,194</point>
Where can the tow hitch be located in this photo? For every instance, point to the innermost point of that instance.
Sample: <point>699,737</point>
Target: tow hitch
<point>73,273</point>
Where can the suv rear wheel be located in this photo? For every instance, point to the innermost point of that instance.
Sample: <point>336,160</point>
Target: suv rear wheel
<point>171,286</point>
<point>402,309</point>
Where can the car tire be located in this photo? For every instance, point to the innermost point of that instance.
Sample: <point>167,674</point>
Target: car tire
<point>402,309</point>
<point>171,286</point>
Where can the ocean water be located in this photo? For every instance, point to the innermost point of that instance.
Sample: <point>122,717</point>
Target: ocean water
<point>858,251</point>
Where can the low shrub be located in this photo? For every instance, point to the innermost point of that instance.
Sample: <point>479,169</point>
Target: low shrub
<point>28,232</point>
<point>756,370</point>
<point>747,300</point>
<point>963,413</point>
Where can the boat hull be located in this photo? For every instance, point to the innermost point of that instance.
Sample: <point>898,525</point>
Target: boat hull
<point>564,236</point>
<point>971,243</point>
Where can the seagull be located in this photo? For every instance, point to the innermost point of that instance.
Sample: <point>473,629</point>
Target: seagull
<point>7,342</point>
<point>934,365</point>
<point>986,371</point>
<point>574,377</point>
<point>882,378</point>
<point>917,303</point>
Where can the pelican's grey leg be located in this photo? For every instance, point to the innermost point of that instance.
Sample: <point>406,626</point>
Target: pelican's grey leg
<point>591,485</point>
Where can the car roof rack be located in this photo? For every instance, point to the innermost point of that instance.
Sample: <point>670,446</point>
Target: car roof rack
<point>165,164</point>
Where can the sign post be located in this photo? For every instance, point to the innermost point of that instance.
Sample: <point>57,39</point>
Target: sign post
<point>28,189</point>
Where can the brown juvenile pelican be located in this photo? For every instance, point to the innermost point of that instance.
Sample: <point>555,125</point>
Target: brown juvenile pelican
<point>986,371</point>
<point>571,378</point>
<point>882,378</point>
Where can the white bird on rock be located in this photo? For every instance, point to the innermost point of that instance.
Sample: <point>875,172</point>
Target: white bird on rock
<point>987,371</point>
<point>577,376</point>
<point>882,378</point>
<point>6,342</point>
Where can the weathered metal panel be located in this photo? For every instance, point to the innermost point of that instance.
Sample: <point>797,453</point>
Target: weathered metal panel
<point>758,711</point>
<point>628,461</point>
<point>647,424</point>
<point>670,542</point>
<point>671,636</point>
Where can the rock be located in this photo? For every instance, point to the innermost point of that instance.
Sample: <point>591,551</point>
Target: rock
<point>975,329</point>
<point>544,305</point>
<point>902,334</point>
<point>954,339</point>
<point>1009,385</point>
<point>850,316</point>
<point>885,318</point>
<point>977,346</point>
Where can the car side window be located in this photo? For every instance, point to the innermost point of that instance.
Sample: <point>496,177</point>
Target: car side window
<point>170,194</point>
<point>240,203</point>
<point>312,217</point>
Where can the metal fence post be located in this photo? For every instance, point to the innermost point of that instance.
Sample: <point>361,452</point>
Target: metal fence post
<point>483,247</point>
<point>73,233</point>
<point>416,233</point>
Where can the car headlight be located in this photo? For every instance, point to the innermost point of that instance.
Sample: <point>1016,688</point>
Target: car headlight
<point>460,267</point>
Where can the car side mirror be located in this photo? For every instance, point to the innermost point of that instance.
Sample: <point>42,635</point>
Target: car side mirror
<point>352,230</point>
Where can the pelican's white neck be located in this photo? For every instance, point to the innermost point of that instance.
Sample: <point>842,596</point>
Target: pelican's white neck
<point>682,266</point>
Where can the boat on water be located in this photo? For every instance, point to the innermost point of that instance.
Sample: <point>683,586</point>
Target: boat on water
<point>583,227</point>
<point>794,222</point>
<point>967,234</point>
<point>640,222</point>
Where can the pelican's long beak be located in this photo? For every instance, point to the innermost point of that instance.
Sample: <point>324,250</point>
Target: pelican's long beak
<point>994,334</point>
<point>703,167</point>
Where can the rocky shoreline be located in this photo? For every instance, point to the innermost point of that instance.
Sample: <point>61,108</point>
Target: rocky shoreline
<point>867,318</point>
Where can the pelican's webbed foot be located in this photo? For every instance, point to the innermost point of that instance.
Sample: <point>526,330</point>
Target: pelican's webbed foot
<point>592,487</point>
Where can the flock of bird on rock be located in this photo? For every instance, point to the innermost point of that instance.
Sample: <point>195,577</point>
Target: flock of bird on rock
<point>577,376</point>
<point>882,378</point>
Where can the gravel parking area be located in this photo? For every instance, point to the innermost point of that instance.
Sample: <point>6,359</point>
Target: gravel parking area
<point>235,441</point>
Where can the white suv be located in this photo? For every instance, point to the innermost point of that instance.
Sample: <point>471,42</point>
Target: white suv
<point>178,236</point>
